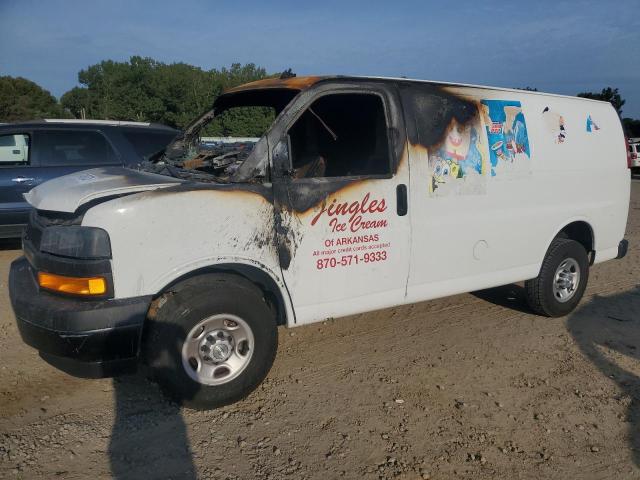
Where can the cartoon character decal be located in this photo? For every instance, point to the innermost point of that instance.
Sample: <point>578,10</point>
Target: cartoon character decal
<point>591,125</point>
<point>506,133</point>
<point>487,138</point>
<point>459,161</point>
<point>555,124</point>
<point>562,134</point>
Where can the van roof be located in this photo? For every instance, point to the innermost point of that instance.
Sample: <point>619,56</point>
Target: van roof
<point>304,82</point>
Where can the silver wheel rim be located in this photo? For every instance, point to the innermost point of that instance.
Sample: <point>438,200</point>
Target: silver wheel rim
<point>566,280</point>
<point>217,349</point>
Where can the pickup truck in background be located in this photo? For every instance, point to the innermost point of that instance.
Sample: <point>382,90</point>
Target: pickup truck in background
<point>34,152</point>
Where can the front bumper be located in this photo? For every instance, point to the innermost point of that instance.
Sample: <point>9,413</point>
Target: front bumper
<point>84,337</point>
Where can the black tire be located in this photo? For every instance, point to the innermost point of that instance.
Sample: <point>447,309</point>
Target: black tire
<point>540,290</point>
<point>180,310</point>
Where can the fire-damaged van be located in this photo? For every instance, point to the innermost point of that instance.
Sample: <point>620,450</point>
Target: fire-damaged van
<point>362,194</point>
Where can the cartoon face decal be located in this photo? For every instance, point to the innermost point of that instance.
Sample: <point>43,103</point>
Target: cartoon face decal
<point>459,155</point>
<point>457,141</point>
<point>441,170</point>
<point>483,139</point>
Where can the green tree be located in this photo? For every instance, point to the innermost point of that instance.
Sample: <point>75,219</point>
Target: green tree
<point>22,99</point>
<point>238,74</point>
<point>79,101</point>
<point>607,95</point>
<point>631,127</point>
<point>241,122</point>
<point>143,89</point>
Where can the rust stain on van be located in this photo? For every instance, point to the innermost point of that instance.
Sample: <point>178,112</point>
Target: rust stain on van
<point>295,83</point>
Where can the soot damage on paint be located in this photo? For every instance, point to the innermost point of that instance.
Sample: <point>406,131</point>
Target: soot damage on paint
<point>429,109</point>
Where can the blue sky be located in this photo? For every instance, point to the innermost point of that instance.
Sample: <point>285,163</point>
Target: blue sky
<point>557,46</point>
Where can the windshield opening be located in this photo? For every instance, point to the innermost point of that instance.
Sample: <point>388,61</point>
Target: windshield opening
<point>218,146</point>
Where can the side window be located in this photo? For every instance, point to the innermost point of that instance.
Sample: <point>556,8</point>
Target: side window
<point>341,135</point>
<point>69,147</point>
<point>14,149</point>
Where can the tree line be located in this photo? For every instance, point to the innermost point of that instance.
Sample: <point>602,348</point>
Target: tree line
<point>141,89</point>
<point>146,90</point>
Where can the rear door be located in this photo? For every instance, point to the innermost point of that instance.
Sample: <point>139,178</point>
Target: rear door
<point>343,237</point>
<point>16,177</point>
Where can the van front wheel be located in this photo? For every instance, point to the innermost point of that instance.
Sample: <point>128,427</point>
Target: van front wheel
<point>562,280</point>
<point>211,340</point>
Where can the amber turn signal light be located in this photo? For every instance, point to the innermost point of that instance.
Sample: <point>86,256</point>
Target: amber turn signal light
<point>73,285</point>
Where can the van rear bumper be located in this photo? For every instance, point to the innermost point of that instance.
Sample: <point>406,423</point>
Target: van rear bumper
<point>87,338</point>
<point>623,247</point>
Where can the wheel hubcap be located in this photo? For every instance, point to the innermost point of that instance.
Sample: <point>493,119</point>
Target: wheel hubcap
<point>216,346</point>
<point>217,349</point>
<point>566,280</point>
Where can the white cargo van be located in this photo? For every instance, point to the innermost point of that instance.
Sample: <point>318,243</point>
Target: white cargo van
<point>363,193</point>
<point>14,149</point>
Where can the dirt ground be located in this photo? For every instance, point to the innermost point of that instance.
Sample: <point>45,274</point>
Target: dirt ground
<point>471,386</point>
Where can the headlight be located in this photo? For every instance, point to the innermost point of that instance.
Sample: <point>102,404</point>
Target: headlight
<point>76,242</point>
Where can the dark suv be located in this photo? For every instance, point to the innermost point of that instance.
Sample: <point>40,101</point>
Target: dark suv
<point>34,152</point>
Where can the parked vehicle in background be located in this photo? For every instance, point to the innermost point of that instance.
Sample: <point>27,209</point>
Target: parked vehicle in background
<point>14,149</point>
<point>634,155</point>
<point>363,194</point>
<point>34,152</point>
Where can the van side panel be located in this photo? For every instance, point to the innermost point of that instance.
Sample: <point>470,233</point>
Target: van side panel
<point>542,162</point>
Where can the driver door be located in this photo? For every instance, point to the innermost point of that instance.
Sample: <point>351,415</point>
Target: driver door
<point>340,192</point>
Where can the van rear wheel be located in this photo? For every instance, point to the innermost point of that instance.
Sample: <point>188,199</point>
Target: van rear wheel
<point>211,340</point>
<point>562,280</point>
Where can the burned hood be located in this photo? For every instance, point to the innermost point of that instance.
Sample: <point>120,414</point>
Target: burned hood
<point>68,193</point>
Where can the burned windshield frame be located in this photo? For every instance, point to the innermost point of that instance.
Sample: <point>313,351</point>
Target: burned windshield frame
<point>255,165</point>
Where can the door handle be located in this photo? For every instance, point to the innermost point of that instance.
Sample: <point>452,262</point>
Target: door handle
<point>401,200</point>
<point>22,179</point>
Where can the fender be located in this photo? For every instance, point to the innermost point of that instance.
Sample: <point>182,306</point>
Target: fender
<point>561,227</point>
<point>239,264</point>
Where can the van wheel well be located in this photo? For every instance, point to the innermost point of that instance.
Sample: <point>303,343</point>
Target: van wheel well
<point>580,232</point>
<point>254,275</point>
